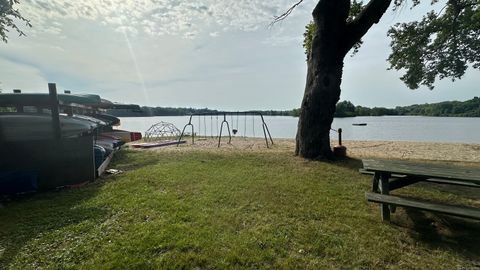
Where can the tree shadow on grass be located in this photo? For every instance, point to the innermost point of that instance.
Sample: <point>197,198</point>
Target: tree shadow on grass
<point>458,235</point>
<point>445,232</point>
<point>26,219</point>
<point>350,163</point>
<point>467,192</point>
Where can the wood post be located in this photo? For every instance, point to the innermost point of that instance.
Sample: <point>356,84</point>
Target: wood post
<point>339,136</point>
<point>385,189</point>
<point>375,183</point>
<point>52,91</point>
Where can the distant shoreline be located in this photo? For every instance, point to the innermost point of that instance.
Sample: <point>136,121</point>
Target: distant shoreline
<point>186,115</point>
<point>468,108</point>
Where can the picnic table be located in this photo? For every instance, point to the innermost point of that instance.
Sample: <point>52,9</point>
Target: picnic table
<point>389,175</point>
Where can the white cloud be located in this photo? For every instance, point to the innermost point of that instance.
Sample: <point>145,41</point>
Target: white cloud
<point>200,53</point>
<point>31,77</point>
<point>158,17</point>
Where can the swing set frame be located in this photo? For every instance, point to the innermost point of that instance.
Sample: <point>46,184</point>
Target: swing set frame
<point>266,131</point>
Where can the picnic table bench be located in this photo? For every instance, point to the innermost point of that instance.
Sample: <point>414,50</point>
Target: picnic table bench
<point>389,175</point>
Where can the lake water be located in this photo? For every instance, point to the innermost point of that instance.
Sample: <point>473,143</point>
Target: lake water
<point>381,128</point>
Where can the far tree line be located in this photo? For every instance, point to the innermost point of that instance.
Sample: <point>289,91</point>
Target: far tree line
<point>469,108</point>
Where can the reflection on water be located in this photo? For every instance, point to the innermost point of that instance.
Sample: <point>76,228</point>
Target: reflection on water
<point>387,128</point>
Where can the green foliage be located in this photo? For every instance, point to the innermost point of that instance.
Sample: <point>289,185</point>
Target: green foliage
<point>227,210</point>
<point>355,8</point>
<point>295,112</point>
<point>310,29</point>
<point>469,108</point>
<point>345,109</point>
<point>8,16</point>
<point>441,45</point>
<point>7,109</point>
<point>169,111</point>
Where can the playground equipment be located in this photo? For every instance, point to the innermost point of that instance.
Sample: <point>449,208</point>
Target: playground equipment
<point>223,116</point>
<point>162,131</point>
<point>160,135</point>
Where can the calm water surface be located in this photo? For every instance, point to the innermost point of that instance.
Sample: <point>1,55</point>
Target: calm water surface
<point>385,128</point>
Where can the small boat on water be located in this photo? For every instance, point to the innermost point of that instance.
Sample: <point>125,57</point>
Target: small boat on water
<point>359,124</point>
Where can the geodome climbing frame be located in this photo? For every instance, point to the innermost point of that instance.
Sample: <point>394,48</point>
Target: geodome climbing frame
<point>162,131</point>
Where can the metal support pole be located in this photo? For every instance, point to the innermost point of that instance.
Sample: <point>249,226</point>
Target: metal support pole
<point>193,133</point>
<point>221,128</point>
<point>265,127</point>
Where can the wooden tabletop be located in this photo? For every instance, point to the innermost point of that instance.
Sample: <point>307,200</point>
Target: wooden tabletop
<point>424,170</point>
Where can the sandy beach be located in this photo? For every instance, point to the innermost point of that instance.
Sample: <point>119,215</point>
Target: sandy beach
<point>450,152</point>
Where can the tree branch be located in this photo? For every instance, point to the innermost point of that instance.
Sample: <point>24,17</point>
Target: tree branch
<point>370,15</point>
<point>334,9</point>
<point>285,14</point>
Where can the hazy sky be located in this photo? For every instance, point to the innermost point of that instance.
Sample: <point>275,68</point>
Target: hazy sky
<point>219,54</point>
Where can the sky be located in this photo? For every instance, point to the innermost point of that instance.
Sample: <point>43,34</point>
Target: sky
<point>219,54</point>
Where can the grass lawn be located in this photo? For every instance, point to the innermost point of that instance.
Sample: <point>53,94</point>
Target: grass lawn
<point>211,210</point>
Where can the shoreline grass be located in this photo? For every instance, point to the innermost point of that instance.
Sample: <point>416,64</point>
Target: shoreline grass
<point>222,210</point>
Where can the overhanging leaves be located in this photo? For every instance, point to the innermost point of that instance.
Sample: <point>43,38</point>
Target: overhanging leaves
<point>441,45</point>
<point>8,15</point>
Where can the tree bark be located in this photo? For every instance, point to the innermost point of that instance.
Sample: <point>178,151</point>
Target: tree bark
<point>333,38</point>
<point>324,75</point>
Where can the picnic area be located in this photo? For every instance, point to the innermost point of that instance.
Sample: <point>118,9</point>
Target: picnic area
<point>252,208</point>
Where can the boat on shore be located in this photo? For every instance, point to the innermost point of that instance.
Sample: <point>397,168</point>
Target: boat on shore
<point>56,140</point>
<point>30,127</point>
<point>123,135</point>
<point>107,118</point>
<point>158,144</point>
<point>44,98</point>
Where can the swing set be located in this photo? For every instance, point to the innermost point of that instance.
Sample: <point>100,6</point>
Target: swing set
<point>223,116</point>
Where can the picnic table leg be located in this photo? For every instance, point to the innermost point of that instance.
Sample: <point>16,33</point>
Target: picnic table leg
<point>385,189</point>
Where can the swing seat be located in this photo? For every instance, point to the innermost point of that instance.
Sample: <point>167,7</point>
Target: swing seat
<point>234,131</point>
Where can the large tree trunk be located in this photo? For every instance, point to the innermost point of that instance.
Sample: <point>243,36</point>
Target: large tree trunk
<point>333,38</point>
<point>322,93</point>
<point>324,75</point>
